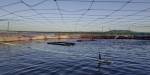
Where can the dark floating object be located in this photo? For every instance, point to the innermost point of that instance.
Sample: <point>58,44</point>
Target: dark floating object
<point>28,47</point>
<point>79,40</point>
<point>86,40</point>
<point>61,43</point>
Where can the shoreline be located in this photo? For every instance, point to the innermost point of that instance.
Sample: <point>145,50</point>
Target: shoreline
<point>8,37</point>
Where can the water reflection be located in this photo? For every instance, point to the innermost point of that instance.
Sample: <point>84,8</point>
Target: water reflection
<point>38,58</point>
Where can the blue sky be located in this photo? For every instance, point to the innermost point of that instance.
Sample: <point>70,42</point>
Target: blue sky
<point>73,15</point>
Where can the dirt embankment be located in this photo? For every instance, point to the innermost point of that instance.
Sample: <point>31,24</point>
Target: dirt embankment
<point>25,37</point>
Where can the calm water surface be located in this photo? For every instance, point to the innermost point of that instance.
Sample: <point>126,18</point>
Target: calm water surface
<point>129,57</point>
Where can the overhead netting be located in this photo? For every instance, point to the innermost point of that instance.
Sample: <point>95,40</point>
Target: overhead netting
<point>75,15</point>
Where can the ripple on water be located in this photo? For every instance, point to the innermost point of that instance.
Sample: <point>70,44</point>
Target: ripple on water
<point>129,57</point>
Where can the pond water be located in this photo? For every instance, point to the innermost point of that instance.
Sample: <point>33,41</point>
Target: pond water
<point>128,57</point>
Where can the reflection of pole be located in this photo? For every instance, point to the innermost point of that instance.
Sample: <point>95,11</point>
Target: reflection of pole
<point>8,26</point>
<point>99,56</point>
<point>99,64</point>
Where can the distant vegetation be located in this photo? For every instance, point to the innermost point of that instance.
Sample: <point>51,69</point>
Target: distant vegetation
<point>111,32</point>
<point>126,32</point>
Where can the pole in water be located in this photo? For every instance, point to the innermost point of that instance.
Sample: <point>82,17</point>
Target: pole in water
<point>103,61</point>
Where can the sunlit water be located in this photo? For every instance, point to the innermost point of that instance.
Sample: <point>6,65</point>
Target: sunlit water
<point>128,57</point>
